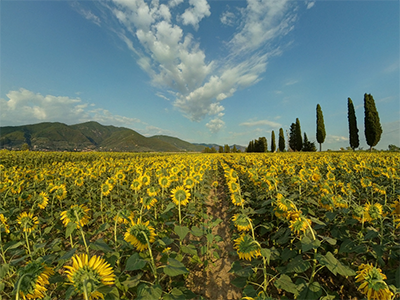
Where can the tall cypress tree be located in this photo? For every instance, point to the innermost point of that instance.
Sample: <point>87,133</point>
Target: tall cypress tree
<point>320,127</point>
<point>281,140</point>
<point>372,124</point>
<point>292,137</point>
<point>299,139</point>
<point>353,130</point>
<point>273,144</point>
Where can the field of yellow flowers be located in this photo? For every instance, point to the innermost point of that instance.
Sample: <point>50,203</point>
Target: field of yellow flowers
<point>134,226</point>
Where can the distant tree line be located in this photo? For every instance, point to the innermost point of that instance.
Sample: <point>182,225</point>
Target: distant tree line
<point>297,142</point>
<point>224,149</point>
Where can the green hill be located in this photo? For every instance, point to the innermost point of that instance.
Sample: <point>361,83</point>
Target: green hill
<point>86,137</point>
<point>178,143</point>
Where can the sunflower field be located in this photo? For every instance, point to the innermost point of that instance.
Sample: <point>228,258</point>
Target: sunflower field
<point>138,226</point>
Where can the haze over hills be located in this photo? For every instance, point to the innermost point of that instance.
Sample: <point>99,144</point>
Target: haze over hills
<point>89,136</point>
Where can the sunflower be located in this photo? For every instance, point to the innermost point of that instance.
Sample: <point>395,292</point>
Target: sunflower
<point>34,276</point>
<point>79,181</point>
<point>327,202</point>
<point>396,208</point>
<point>164,182</point>
<point>233,186</point>
<point>237,199</point>
<point>137,232</point>
<point>180,195</point>
<point>246,247</point>
<point>373,211</point>
<point>27,221</point>
<point>330,176</point>
<point>68,216</point>
<point>315,177</point>
<point>214,184</point>
<point>299,224</point>
<point>359,214</point>
<point>152,191</point>
<point>106,188</point>
<point>233,174</point>
<point>145,179</point>
<point>3,223</point>
<point>379,189</point>
<point>340,202</point>
<point>148,202</point>
<point>189,182</point>
<point>60,191</point>
<point>124,216</point>
<point>43,200</point>
<point>242,222</point>
<point>24,196</point>
<point>136,184</point>
<point>87,276</point>
<point>372,283</point>
<point>119,176</point>
<point>365,182</point>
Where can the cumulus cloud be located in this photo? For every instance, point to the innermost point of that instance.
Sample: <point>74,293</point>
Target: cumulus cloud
<point>174,59</point>
<point>26,107</point>
<point>197,11</point>
<point>215,125</point>
<point>261,122</point>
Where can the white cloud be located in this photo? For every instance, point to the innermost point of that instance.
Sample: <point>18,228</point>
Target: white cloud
<point>153,130</point>
<point>174,59</point>
<point>263,21</point>
<point>195,13</point>
<point>215,125</point>
<point>261,122</point>
<point>310,4</point>
<point>87,14</point>
<point>228,18</point>
<point>158,94</point>
<point>25,107</point>
<point>291,82</point>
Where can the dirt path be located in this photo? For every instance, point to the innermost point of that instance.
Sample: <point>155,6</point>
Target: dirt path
<point>214,283</point>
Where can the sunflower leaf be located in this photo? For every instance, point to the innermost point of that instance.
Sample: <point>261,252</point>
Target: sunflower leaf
<point>285,283</point>
<point>334,265</point>
<point>181,231</point>
<point>175,268</point>
<point>311,292</point>
<point>70,229</point>
<point>135,263</point>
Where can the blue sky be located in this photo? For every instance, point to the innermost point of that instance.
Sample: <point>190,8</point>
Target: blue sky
<point>223,72</point>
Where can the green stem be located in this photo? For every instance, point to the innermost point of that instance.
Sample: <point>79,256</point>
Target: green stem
<point>101,208</point>
<point>19,285</point>
<point>3,255</point>
<point>81,230</point>
<point>265,284</point>
<point>27,242</point>
<point>153,266</point>
<point>72,242</point>
<point>85,293</point>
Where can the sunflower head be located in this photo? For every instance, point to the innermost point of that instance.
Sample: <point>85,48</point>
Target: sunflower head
<point>139,233</point>
<point>3,223</point>
<point>33,278</point>
<point>145,179</point>
<point>374,211</point>
<point>233,186</point>
<point>365,182</point>
<point>60,191</point>
<point>396,208</point>
<point>164,182</point>
<point>42,200</point>
<point>79,181</point>
<point>237,199</point>
<point>214,184</point>
<point>88,275</point>
<point>148,202</point>
<point>189,182</point>
<point>327,202</point>
<point>180,196</point>
<point>27,221</point>
<point>372,283</point>
<point>82,211</point>
<point>136,184</point>
<point>246,247</point>
<point>106,188</point>
<point>242,222</point>
<point>299,225</point>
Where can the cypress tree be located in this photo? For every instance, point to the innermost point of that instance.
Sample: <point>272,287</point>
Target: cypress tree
<point>299,140</point>
<point>281,140</point>
<point>372,125</point>
<point>292,137</point>
<point>320,127</point>
<point>273,144</point>
<point>353,130</point>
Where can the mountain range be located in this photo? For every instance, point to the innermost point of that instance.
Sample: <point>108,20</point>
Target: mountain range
<point>90,136</point>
